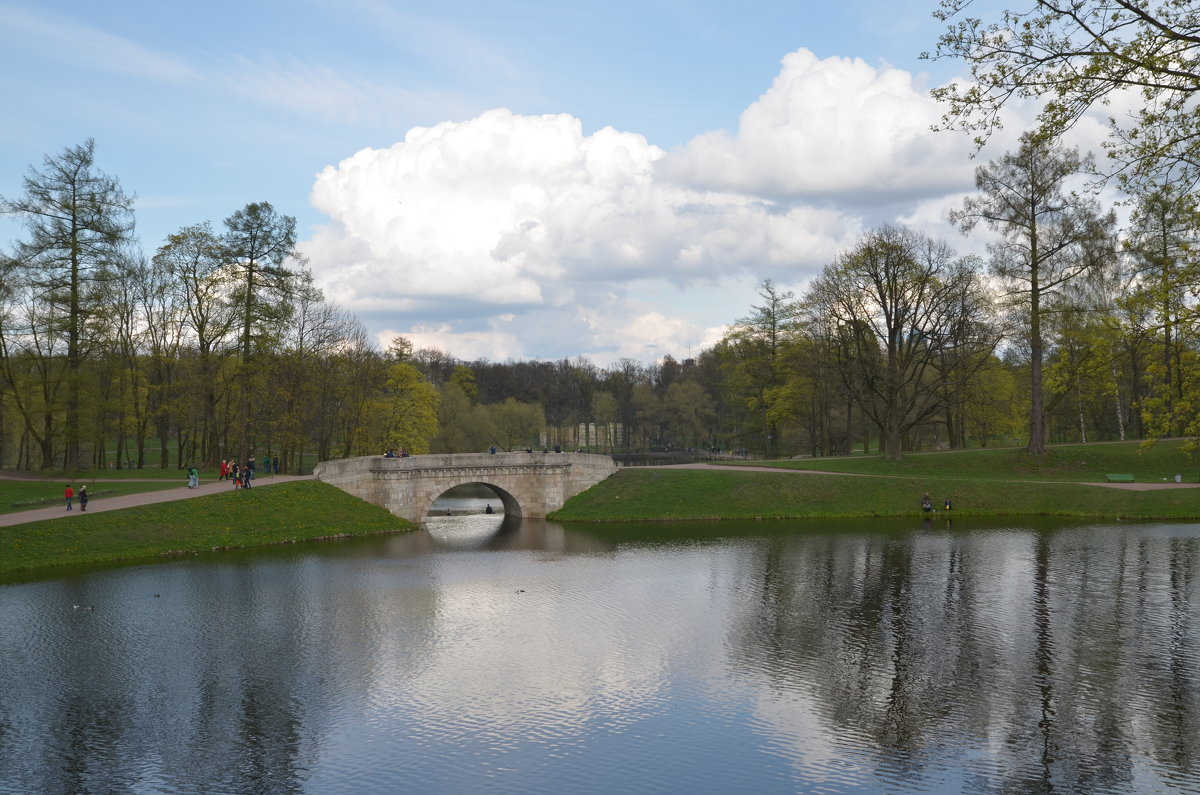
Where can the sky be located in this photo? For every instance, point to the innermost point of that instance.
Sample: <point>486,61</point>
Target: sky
<point>509,180</point>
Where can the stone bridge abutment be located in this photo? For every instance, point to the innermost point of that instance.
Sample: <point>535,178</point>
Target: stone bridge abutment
<point>528,484</point>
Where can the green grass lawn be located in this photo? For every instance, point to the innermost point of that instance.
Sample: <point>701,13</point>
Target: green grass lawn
<point>1086,463</point>
<point>650,494</point>
<point>283,513</point>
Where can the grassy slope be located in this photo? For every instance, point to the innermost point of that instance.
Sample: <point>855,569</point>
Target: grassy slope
<point>1086,463</point>
<point>283,513</point>
<point>636,494</point>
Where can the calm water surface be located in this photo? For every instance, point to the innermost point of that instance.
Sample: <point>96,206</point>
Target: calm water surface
<point>508,657</point>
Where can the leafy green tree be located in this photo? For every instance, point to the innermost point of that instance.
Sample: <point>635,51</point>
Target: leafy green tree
<point>464,378</point>
<point>410,405</point>
<point>753,351</point>
<point>259,247</point>
<point>1077,55</point>
<point>604,413</point>
<point>1048,238</point>
<point>514,424</point>
<point>1164,236</point>
<point>456,416</point>
<point>648,407</point>
<point>357,373</point>
<point>306,381</point>
<point>992,403</point>
<point>78,219</point>
<point>688,414</point>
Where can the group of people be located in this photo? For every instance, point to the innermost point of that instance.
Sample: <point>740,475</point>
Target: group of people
<point>927,504</point>
<point>69,493</point>
<point>391,453</point>
<point>243,474</point>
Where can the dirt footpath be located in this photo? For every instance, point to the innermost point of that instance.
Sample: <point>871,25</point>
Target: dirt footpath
<point>99,504</point>
<point>1149,486</point>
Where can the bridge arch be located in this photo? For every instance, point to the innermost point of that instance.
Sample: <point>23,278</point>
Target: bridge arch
<point>510,502</point>
<point>530,484</point>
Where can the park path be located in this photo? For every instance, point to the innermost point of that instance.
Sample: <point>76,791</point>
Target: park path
<point>101,504</point>
<point>1166,484</point>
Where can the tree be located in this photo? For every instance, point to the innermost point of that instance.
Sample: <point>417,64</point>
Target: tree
<point>754,346</point>
<point>258,245</point>
<point>1048,238</point>
<point>455,414</point>
<point>1164,235</point>
<point>409,410</point>
<point>604,414</point>
<point>687,413</point>
<point>464,378</point>
<point>1074,56</point>
<point>514,424</point>
<point>194,257</point>
<point>78,219</point>
<point>899,303</point>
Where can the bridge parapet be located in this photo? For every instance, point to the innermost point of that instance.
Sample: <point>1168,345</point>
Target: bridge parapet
<point>528,484</point>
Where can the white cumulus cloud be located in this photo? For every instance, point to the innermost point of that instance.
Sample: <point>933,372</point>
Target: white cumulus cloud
<point>494,236</point>
<point>836,128</point>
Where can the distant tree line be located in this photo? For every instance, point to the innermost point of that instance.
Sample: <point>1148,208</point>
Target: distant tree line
<point>219,345</point>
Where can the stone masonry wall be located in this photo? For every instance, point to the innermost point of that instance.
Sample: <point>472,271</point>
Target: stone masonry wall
<point>531,484</point>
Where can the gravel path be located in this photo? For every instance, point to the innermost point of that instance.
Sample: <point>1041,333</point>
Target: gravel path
<point>99,504</point>
<point>1167,484</point>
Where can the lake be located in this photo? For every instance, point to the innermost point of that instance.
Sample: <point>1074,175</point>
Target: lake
<point>507,656</point>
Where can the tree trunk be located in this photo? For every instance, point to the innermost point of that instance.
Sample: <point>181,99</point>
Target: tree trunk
<point>1037,402</point>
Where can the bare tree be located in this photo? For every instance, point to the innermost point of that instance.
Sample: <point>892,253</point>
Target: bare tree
<point>897,305</point>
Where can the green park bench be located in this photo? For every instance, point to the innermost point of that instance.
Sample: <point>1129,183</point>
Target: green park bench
<point>1119,478</point>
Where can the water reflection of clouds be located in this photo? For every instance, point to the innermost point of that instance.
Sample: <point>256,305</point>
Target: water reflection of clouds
<point>900,661</point>
<point>545,658</point>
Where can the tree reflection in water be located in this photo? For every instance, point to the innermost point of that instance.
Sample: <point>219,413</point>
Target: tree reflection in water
<point>532,656</point>
<point>1069,659</point>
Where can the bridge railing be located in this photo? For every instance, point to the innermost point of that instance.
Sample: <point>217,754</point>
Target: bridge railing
<point>498,460</point>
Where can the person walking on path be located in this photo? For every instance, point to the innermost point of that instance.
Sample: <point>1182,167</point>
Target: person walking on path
<point>83,498</point>
<point>275,464</point>
<point>69,493</point>
<point>248,473</point>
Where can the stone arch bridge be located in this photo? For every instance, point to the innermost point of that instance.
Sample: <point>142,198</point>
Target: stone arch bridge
<point>528,484</point>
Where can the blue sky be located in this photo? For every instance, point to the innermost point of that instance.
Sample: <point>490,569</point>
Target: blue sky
<point>505,179</point>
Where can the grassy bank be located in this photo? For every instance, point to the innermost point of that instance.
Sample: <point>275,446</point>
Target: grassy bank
<point>283,513</point>
<point>1087,463</point>
<point>652,494</point>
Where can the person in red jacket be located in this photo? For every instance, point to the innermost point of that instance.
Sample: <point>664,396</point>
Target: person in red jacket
<point>69,493</point>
